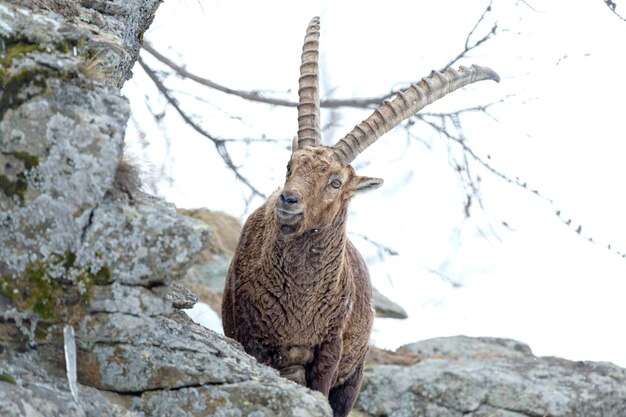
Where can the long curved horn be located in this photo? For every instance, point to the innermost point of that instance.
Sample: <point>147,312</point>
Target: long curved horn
<point>309,133</point>
<point>404,105</point>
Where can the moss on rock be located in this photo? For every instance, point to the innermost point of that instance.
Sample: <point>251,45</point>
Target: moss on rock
<point>13,188</point>
<point>51,296</point>
<point>4,377</point>
<point>30,161</point>
<point>14,50</point>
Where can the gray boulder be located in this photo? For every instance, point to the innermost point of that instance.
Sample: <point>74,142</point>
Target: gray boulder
<point>485,377</point>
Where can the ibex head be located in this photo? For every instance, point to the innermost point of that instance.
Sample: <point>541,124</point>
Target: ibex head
<point>320,181</point>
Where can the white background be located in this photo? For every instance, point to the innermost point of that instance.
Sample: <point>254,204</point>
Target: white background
<point>523,273</point>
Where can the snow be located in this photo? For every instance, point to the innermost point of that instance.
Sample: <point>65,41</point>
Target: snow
<point>522,272</point>
<point>69,347</point>
<point>202,314</point>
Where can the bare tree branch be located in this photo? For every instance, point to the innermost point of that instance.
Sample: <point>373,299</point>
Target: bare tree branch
<point>482,162</point>
<point>360,103</point>
<point>473,188</point>
<point>255,96</point>
<point>382,249</point>
<point>531,7</point>
<point>611,5</point>
<point>220,144</point>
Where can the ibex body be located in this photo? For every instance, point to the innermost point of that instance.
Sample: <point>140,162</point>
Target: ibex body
<point>298,294</point>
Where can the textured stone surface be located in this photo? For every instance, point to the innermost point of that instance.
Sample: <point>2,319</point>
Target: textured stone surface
<point>62,123</point>
<point>254,399</point>
<point>75,249</point>
<point>181,297</point>
<point>129,299</point>
<point>492,377</point>
<point>467,347</point>
<point>134,354</point>
<point>44,392</point>
<point>143,244</point>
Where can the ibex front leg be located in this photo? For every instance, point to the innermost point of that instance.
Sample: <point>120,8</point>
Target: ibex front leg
<point>343,397</point>
<point>323,370</point>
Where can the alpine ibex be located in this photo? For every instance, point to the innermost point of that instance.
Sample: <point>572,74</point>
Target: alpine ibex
<point>298,294</point>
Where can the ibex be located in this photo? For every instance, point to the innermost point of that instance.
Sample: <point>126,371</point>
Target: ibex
<point>298,294</point>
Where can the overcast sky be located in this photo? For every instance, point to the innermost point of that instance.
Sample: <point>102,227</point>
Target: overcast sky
<point>523,273</point>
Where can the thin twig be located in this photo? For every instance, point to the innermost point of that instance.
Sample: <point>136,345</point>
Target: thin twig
<point>220,144</point>
<point>377,245</point>
<point>577,228</point>
<point>482,162</point>
<point>611,5</point>
<point>476,44</point>
<point>531,7</point>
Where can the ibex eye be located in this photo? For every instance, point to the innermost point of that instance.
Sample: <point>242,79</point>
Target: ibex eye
<point>335,183</point>
<point>288,170</point>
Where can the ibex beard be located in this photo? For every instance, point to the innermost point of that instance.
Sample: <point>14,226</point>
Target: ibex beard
<point>298,294</point>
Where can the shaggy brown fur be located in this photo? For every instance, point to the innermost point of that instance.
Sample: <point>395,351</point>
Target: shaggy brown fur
<point>298,294</point>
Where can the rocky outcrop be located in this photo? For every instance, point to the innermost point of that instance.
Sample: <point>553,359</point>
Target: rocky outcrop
<point>487,377</point>
<point>79,248</point>
<point>162,366</point>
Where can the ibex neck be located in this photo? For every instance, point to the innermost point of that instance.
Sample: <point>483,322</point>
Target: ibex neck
<point>311,258</point>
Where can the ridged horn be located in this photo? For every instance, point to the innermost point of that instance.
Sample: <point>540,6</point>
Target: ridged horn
<point>404,105</point>
<point>309,133</point>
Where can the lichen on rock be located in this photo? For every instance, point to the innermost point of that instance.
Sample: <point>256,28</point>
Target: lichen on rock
<point>53,289</point>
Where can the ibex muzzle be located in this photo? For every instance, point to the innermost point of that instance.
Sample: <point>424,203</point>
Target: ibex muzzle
<point>289,210</point>
<point>317,189</point>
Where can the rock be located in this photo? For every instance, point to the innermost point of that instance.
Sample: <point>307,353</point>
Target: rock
<point>377,356</point>
<point>207,276</point>
<point>143,244</point>
<point>181,297</point>
<point>481,377</point>
<point>252,398</point>
<point>467,347</point>
<point>61,131</point>
<point>128,354</point>
<point>81,246</point>
<point>227,229</point>
<point>385,307</point>
<point>129,299</point>
<point>42,391</point>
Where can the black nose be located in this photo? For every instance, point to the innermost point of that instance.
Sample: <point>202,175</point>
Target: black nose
<point>289,197</point>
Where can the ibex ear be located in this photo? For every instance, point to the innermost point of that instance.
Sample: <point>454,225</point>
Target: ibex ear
<point>294,144</point>
<point>366,183</point>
